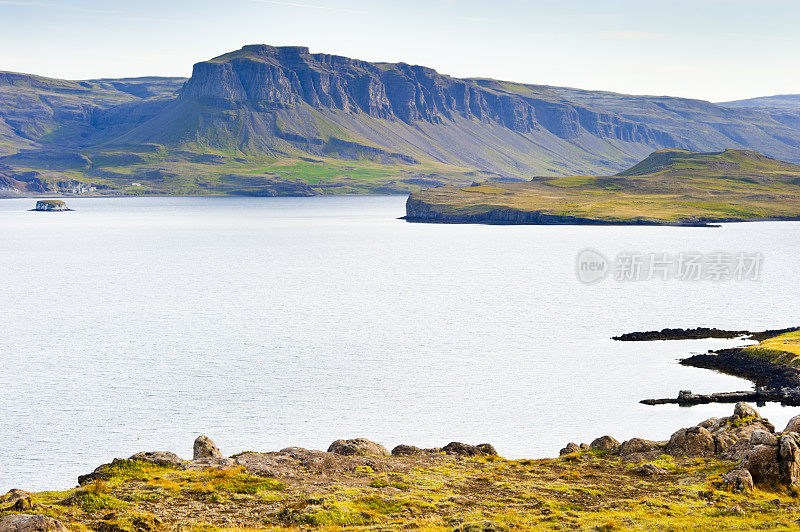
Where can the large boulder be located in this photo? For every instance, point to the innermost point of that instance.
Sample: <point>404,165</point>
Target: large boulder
<point>205,448</point>
<point>356,447</point>
<point>165,458</point>
<point>650,470</point>
<point>789,456</point>
<point>691,442</point>
<point>407,450</point>
<point>637,446</point>
<point>762,437</point>
<point>487,449</point>
<point>733,434</point>
<point>793,425</point>
<point>762,463</point>
<point>17,501</point>
<point>570,448</point>
<point>604,443</point>
<point>743,410</point>
<point>461,449</point>
<point>708,422</point>
<point>738,480</point>
<point>30,523</point>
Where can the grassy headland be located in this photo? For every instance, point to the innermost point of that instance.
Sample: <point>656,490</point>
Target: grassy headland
<point>669,187</point>
<point>783,349</point>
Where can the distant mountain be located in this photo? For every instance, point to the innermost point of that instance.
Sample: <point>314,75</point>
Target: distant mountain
<point>672,186</point>
<point>784,101</point>
<point>282,121</point>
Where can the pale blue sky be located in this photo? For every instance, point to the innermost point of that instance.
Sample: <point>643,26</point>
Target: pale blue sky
<point>710,49</point>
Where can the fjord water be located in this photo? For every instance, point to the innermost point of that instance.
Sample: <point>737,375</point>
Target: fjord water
<point>138,324</point>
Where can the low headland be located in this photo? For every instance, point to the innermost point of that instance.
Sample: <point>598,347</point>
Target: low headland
<point>670,187</point>
<point>773,365</point>
<point>732,473</point>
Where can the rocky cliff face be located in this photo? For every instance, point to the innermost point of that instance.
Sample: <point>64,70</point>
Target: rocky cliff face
<point>267,77</point>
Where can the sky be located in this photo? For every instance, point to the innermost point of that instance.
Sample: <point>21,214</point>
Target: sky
<point>715,50</point>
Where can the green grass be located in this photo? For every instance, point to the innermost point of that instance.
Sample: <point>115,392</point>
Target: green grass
<point>782,349</point>
<point>322,172</point>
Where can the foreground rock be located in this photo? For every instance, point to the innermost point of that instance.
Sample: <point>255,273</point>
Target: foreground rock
<point>302,489</point>
<point>30,523</point>
<point>765,458</point>
<point>16,500</point>
<point>159,457</point>
<point>356,447</point>
<point>205,448</point>
<point>691,442</point>
<point>604,443</point>
<point>462,449</point>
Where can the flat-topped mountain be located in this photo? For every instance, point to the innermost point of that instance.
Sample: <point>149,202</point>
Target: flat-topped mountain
<point>270,120</point>
<point>668,187</point>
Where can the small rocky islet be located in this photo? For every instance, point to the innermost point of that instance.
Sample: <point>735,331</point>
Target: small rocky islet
<point>734,472</point>
<point>51,206</point>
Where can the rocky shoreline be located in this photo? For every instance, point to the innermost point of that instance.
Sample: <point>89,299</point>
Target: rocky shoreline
<point>773,382</point>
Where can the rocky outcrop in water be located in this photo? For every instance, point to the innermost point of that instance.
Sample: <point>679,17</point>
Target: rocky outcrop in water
<point>51,206</point>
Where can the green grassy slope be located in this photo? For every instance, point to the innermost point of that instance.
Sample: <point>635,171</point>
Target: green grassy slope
<point>670,186</point>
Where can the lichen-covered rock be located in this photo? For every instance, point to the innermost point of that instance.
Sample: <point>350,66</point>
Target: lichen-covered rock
<point>723,442</point>
<point>604,443</point>
<point>743,410</point>
<point>461,449</point>
<point>793,425</point>
<point>762,463</point>
<point>205,448</point>
<point>570,448</point>
<point>738,480</point>
<point>158,457</point>
<point>407,450</point>
<point>30,523</point>
<point>708,422</point>
<point>201,464</point>
<point>487,449</point>
<point>636,446</point>
<point>691,442</point>
<point>789,455</point>
<point>101,472</point>
<point>16,500</point>
<point>357,446</point>
<point>650,470</point>
<point>762,437</point>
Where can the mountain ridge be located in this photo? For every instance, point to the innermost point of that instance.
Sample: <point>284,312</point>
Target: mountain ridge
<point>267,118</point>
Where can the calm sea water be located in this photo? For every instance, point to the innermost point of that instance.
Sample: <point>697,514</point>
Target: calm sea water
<point>137,324</point>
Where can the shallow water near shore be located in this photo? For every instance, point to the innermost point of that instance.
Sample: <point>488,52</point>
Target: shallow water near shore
<point>136,324</point>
